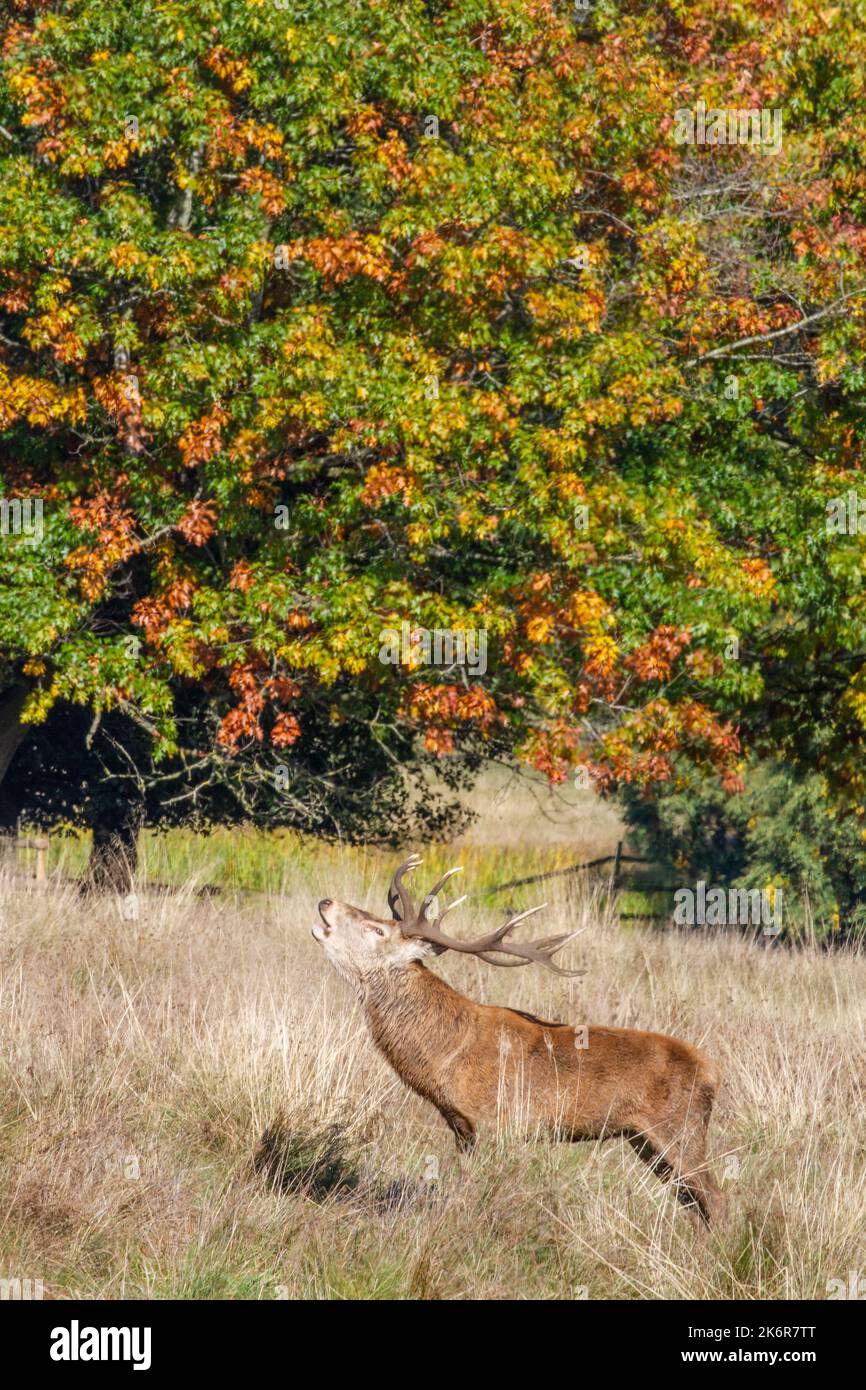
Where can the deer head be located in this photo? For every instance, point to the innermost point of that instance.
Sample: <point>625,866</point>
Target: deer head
<point>358,943</point>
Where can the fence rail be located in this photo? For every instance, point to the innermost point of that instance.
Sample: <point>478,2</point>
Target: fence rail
<point>617,860</point>
<point>17,841</point>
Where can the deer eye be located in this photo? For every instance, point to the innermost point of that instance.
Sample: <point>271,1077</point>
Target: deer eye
<point>377,930</point>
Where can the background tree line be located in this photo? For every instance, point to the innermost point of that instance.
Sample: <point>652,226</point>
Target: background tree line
<point>437,281</point>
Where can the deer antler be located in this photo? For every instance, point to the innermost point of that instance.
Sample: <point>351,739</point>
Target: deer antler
<point>414,922</point>
<point>399,898</point>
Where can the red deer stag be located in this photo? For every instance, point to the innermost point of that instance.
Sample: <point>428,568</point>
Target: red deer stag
<point>478,1062</point>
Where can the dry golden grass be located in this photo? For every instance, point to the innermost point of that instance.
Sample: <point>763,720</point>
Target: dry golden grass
<point>519,808</point>
<point>141,1061</point>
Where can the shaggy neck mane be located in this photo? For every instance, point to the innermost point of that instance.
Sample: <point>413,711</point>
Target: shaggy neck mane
<point>397,997</point>
<point>409,1013</point>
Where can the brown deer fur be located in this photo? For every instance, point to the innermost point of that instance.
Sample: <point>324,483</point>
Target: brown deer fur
<point>481,1064</point>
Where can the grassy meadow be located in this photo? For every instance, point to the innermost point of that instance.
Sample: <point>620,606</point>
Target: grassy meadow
<point>191,1108</point>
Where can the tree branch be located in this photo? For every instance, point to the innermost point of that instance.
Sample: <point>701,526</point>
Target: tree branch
<point>728,348</point>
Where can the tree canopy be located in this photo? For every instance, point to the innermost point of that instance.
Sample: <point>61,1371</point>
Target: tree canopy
<point>316,319</point>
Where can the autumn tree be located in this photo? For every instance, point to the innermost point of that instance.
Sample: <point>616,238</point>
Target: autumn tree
<point>316,321</point>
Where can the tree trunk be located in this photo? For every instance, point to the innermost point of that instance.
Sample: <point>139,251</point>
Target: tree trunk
<point>12,731</point>
<point>114,856</point>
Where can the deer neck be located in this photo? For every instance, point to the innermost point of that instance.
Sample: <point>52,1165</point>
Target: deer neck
<point>418,1021</point>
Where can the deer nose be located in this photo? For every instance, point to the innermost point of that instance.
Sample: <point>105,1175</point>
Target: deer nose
<point>326,902</point>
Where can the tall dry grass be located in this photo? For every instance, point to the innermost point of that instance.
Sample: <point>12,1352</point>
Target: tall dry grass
<point>142,1061</point>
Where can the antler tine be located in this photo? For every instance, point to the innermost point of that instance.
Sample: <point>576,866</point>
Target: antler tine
<point>451,906</point>
<point>513,921</point>
<point>538,952</point>
<point>437,888</point>
<point>439,946</point>
<point>489,947</point>
<point>398,894</point>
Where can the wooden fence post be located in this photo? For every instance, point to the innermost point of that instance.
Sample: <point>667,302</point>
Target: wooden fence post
<point>617,859</point>
<point>40,844</point>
